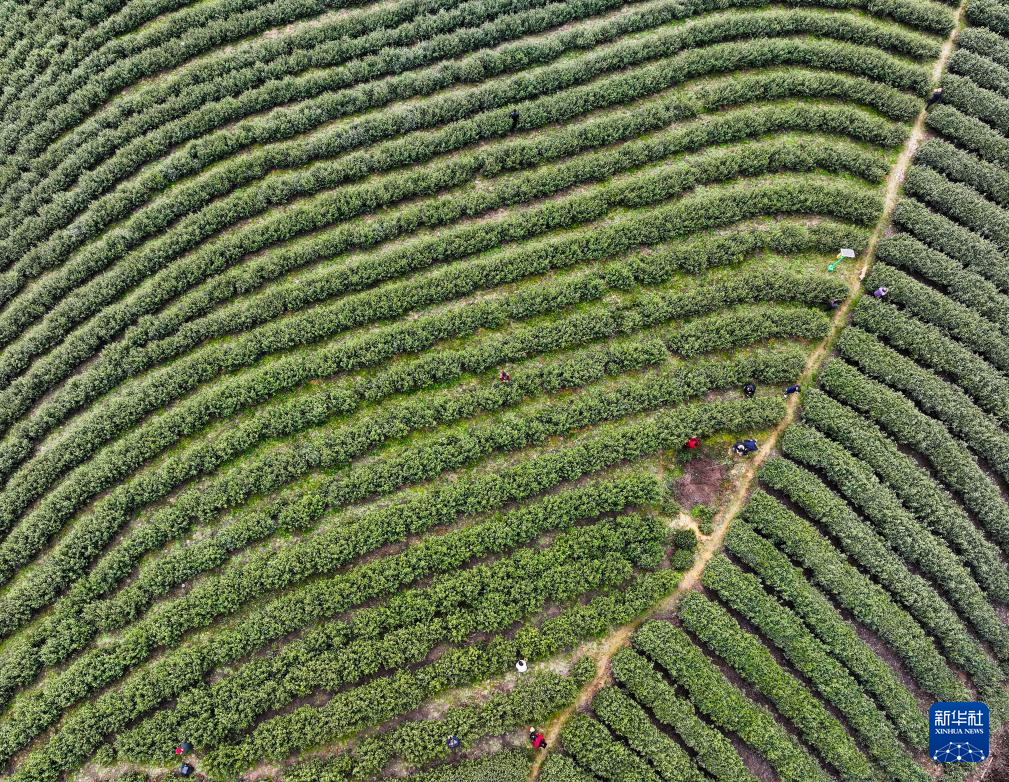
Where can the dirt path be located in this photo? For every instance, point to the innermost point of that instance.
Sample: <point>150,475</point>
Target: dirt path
<point>707,547</point>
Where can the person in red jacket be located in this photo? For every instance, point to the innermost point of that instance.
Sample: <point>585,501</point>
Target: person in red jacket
<point>537,739</point>
<point>693,442</point>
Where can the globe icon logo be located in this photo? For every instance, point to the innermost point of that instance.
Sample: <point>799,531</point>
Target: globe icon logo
<point>962,751</point>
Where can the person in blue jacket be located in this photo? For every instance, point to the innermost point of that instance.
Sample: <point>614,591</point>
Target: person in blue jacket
<point>745,447</point>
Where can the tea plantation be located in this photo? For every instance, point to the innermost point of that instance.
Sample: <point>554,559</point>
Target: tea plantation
<point>370,374</point>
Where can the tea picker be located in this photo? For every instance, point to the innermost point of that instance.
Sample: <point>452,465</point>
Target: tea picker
<point>537,739</point>
<point>791,390</point>
<point>186,769</point>
<point>453,742</point>
<point>749,390</point>
<point>745,447</point>
<point>521,666</point>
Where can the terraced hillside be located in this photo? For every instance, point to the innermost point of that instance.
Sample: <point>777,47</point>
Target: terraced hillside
<point>348,353</point>
<point>866,579</point>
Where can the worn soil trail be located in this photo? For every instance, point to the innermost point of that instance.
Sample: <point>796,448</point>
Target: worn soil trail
<point>707,547</point>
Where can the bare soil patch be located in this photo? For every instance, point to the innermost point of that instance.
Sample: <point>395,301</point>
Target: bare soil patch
<point>701,482</point>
